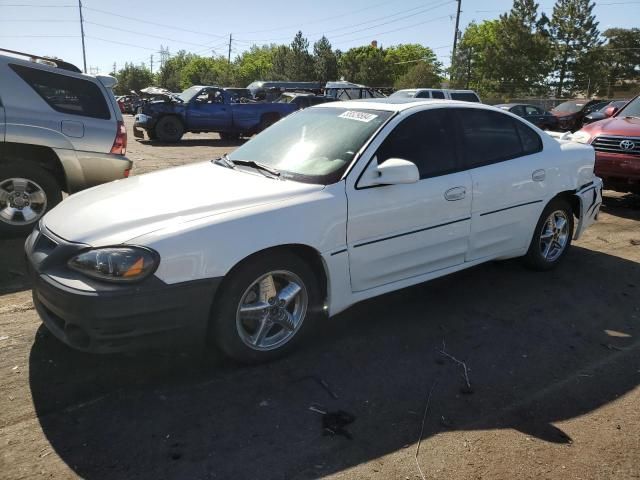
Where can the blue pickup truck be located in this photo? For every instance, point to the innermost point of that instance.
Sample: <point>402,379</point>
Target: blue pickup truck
<point>206,109</point>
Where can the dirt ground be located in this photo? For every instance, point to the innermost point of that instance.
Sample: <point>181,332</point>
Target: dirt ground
<point>553,361</point>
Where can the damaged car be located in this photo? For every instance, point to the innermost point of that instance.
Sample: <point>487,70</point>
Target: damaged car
<point>335,204</point>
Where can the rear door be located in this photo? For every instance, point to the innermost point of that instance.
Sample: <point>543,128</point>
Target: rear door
<point>508,169</point>
<point>77,107</point>
<point>396,232</point>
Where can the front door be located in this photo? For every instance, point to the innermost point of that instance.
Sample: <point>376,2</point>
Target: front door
<point>208,111</point>
<point>397,232</point>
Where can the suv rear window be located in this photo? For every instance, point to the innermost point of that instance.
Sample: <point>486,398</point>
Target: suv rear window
<point>66,94</point>
<point>464,96</point>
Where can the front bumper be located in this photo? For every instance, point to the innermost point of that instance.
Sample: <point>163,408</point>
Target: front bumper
<point>97,317</point>
<point>142,121</point>
<point>619,172</point>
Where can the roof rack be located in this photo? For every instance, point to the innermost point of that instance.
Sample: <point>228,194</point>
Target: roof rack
<point>55,62</point>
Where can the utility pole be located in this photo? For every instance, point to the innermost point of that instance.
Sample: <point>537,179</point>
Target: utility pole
<point>151,63</point>
<point>230,40</point>
<point>115,68</point>
<point>84,53</point>
<point>455,34</point>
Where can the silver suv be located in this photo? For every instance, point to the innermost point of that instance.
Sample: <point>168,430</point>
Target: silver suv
<point>60,131</point>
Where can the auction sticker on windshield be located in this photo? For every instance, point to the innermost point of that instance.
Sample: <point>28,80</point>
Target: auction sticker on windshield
<point>360,116</point>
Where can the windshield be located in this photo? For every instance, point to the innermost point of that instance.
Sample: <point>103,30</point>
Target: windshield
<point>632,109</point>
<point>189,93</point>
<point>403,94</point>
<point>315,145</point>
<point>569,107</point>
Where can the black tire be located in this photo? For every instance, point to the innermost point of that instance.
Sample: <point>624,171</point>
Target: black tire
<point>38,176</point>
<point>151,133</point>
<point>169,129</point>
<point>229,136</point>
<point>223,330</point>
<point>535,258</point>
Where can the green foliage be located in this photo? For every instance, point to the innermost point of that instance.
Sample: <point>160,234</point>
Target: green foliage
<point>298,61</point>
<point>170,74</point>
<point>205,71</point>
<point>366,65</point>
<point>575,34</point>
<point>254,64</point>
<point>402,58</point>
<point>132,77</point>
<point>325,61</point>
<point>421,74</point>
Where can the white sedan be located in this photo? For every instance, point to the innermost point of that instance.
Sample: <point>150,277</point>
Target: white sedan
<point>330,206</point>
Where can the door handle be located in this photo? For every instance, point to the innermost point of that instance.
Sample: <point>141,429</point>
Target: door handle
<point>455,193</point>
<point>538,175</point>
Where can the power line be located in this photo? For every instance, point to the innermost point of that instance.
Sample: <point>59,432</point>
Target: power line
<point>121,43</point>
<point>155,23</point>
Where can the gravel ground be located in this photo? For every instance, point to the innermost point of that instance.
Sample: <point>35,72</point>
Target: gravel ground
<point>553,359</point>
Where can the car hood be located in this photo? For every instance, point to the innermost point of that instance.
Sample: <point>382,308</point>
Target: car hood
<point>616,126</point>
<point>119,211</point>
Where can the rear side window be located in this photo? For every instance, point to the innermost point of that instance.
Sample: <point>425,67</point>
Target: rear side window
<point>425,138</point>
<point>423,94</point>
<point>491,137</point>
<point>66,94</point>
<point>437,94</point>
<point>464,96</point>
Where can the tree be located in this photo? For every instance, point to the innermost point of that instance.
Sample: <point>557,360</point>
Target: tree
<point>366,65</point>
<point>421,74</point>
<point>170,74</point>
<point>132,77</point>
<point>325,61</point>
<point>280,58</point>
<point>574,31</point>
<point>522,49</point>
<point>254,64</point>
<point>298,62</point>
<point>404,57</point>
<point>205,71</point>
<point>616,62</point>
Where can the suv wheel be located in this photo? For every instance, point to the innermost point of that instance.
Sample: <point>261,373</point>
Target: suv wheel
<point>169,129</point>
<point>27,192</point>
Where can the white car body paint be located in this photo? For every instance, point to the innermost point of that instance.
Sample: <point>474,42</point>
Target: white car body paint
<point>204,219</point>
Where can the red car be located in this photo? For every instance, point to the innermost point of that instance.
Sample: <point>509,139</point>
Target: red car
<point>616,141</point>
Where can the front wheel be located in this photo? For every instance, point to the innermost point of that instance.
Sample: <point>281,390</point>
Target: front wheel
<point>552,237</point>
<point>265,307</point>
<point>169,129</point>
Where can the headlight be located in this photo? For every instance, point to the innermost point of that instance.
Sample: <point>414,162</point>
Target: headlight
<point>116,264</point>
<point>581,137</point>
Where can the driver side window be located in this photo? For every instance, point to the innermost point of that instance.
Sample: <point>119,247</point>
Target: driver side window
<point>425,138</point>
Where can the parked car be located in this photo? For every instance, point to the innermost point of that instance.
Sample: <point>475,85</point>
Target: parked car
<point>616,141</point>
<point>605,111</point>
<point>60,131</point>
<point>439,93</point>
<point>206,109</point>
<point>330,206</point>
<point>303,100</point>
<point>536,115</point>
<point>571,113</point>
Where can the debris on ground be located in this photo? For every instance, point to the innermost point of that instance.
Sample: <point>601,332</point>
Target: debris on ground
<point>320,382</point>
<point>466,389</point>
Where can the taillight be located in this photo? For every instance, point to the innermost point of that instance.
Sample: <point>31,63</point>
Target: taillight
<point>120,142</point>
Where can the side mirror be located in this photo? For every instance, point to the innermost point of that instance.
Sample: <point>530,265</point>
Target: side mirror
<point>610,111</point>
<point>393,171</point>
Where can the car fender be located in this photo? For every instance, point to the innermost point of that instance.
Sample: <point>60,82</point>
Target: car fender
<point>37,135</point>
<point>210,247</point>
<point>590,200</point>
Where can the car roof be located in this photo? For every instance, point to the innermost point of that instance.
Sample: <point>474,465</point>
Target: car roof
<point>393,104</point>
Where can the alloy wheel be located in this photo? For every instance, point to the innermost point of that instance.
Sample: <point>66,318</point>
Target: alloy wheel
<point>554,236</point>
<point>22,201</point>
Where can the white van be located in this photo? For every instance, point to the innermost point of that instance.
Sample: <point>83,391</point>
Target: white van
<point>440,93</point>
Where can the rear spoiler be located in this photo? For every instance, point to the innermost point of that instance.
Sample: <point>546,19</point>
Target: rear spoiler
<point>107,80</point>
<point>52,62</point>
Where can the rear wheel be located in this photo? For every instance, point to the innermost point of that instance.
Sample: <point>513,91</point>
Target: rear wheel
<point>169,129</point>
<point>151,133</point>
<point>265,307</point>
<point>552,237</point>
<point>27,192</point>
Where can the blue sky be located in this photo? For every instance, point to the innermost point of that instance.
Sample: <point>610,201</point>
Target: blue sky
<point>120,31</point>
